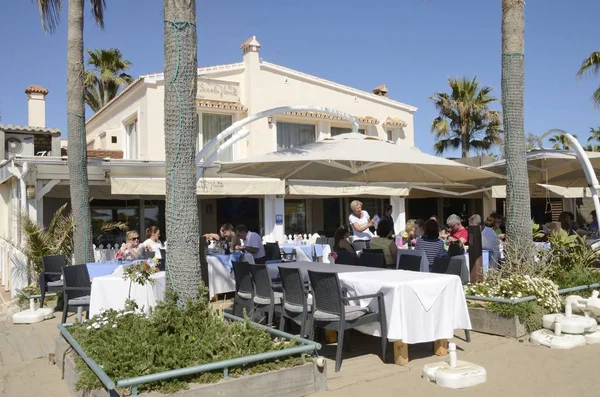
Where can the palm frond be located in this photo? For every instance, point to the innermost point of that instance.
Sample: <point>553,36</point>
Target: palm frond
<point>590,65</point>
<point>98,7</point>
<point>49,13</point>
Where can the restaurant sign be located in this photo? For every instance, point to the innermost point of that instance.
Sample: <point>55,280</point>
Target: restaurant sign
<point>218,90</point>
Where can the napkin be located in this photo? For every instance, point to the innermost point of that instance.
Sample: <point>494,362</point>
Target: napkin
<point>428,291</point>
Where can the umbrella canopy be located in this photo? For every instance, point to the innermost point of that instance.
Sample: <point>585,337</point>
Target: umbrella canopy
<point>358,158</point>
<point>553,167</point>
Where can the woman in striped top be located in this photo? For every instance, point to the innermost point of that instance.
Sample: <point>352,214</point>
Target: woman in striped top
<point>430,242</point>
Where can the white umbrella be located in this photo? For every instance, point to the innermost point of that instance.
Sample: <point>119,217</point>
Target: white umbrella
<point>552,167</point>
<point>358,158</point>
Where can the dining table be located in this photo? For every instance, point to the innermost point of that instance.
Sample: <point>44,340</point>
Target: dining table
<point>111,291</point>
<point>419,306</point>
<point>98,269</point>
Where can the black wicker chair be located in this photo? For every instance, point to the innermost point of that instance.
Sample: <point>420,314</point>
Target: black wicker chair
<point>410,262</point>
<point>244,291</point>
<point>440,264</point>
<point>77,288</point>
<point>50,276</point>
<point>162,263</point>
<point>345,258</point>
<point>372,259</point>
<point>331,312</point>
<point>296,304</point>
<point>265,298</point>
<point>372,251</point>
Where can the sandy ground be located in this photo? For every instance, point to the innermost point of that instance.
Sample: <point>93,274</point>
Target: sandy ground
<point>515,368</point>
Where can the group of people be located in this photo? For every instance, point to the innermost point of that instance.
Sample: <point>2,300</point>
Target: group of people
<point>428,235</point>
<point>240,238</point>
<point>134,249</point>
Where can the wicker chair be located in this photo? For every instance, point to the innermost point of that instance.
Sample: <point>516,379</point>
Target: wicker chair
<point>372,259</point>
<point>331,312</point>
<point>410,262</point>
<point>76,290</point>
<point>321,240</point>
<point>162,263</point>
<point>296,303</point>
<point>244,292</point>
<point>440,264</point>
<point>345,258</point>
<point>265,298</point>
<point>50,275</point>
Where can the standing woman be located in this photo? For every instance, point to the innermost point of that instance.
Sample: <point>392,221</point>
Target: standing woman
<point>360,222</point>
<point>152,242</point>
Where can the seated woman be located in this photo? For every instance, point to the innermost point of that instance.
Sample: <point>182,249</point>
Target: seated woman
<point>152,242</point>
<point>430,242</point>
<point>341,240</point>
<point>384,242</point>
<point>132,249</point>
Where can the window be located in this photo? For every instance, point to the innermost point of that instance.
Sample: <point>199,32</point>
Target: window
<point>131,140</point>
<point>295,216</point>
<point>126,211</point>
<point>154,215</point>
<point>340,130</point>
<point>389,135</point>
<point>290,135</point>
<point>209,126</point>
<point>113,139</point>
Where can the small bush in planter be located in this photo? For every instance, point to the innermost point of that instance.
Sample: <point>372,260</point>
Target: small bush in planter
<point>126,344</point>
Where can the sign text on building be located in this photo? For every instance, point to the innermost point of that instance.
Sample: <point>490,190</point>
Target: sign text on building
<point>218,90</point>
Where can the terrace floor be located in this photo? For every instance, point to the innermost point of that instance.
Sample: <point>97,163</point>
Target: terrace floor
<point>515,368</point>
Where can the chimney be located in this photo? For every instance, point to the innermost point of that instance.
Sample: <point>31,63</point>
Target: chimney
<point>36,105</point>
<point>381,90</point>
<point>250,45</point>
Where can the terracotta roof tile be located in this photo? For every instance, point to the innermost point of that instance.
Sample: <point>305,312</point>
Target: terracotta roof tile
<point>317,115</point>
<point>394,122</point>
<point>36,89</point>
<point>205,103</point>
<point>102,154</point>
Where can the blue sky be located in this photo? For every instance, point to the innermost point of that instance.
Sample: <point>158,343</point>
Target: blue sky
<point>412,46</point>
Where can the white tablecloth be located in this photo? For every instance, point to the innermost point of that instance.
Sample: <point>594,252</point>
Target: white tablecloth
<point>420,253</point>
<point>110,292</point>
<point>221,280</point>
<point>420,307</point>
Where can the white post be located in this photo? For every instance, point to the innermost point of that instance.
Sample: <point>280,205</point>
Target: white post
<point>273,211</point>
<point>399,212</point>
<point>488,205</point>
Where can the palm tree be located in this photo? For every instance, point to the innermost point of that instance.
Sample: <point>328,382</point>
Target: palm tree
<point>465,119</point>
<point>77,161</point>
<point>106,78</point>
<point>592,148</point>
<point>531,141</point>
<point>180,74</point>
<point>594,135</point>
<point>591,65</point>
<point>560,141</point>
<point>518,203</point>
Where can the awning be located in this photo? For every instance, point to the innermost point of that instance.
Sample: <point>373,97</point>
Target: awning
<point>205,186</point>
<point>542,190</point>
<point>329,189</point>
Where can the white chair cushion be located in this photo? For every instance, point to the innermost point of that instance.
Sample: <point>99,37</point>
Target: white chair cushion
<point>352,313</point>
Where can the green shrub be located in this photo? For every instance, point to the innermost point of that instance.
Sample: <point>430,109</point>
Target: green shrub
<point>530,313</point>
<point>126,344</point>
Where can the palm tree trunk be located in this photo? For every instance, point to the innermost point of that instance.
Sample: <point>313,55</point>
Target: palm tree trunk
<point>464,145</point>
<point>518,205</point>
<point>106,96</point>
<point>77,160</point>
<point>183,256</point>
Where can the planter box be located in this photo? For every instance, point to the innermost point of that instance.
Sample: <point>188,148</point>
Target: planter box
<point>290,382</point>
<point>487,322</point>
